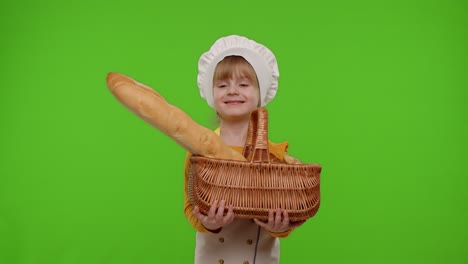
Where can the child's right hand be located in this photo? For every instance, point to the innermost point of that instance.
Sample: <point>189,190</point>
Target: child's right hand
<point>215,218</point>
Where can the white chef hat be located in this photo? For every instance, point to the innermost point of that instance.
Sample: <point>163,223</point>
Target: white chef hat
<point>260,57</point>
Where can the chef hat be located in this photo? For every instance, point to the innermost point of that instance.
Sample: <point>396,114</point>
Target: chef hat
<point>260,57</point>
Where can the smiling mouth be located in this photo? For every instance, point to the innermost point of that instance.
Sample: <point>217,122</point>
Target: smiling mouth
<point>234,102</point>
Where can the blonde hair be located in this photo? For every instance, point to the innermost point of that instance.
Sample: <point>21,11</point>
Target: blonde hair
<point>235,67</point>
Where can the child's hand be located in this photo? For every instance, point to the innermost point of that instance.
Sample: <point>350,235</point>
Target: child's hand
<point>276,224</point>
<point>215,218</point>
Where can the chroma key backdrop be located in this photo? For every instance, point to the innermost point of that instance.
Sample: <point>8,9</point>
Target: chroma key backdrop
<point>374,91</point>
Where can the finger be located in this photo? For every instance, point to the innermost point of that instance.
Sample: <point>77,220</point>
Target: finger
<point>196,210</point>
<point>285,221</point>
<point>278,218</point>
<point>220,213</point>
<point>271,217</point>
<point>230,214</point>
<point>213,207</point>
<point>197,214</point>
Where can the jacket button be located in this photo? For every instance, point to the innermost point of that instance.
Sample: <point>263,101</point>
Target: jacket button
<point>221,261</point>
<point>221,239</point>
<point>246,262</point>
<point>249,241</point>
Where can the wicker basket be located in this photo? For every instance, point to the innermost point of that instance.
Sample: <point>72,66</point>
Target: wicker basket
<point>258,185</point>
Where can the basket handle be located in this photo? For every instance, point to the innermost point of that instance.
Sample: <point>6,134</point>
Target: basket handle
<point>256,143</point>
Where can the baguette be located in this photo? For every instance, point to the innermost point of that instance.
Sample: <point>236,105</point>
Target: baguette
<point>149,105</point>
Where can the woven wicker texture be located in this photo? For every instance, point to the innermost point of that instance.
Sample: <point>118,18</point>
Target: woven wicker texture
<point>258,185</point>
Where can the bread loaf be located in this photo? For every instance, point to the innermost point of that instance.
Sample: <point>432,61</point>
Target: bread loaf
<point>172,121</point>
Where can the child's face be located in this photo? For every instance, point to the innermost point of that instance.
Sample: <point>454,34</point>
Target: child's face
<point>235,98</point>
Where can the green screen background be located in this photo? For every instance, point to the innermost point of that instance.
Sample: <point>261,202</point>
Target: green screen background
<point>374,91</point>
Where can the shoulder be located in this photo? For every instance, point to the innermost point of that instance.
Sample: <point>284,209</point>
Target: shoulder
<point>278,149</point>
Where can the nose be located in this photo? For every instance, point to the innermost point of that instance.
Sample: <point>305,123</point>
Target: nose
<point>232,89</point>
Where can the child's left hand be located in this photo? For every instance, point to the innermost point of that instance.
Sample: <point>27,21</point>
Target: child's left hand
<point>278,224</point>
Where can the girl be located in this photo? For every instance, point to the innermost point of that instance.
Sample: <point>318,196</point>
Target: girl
<point>236,76</point>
